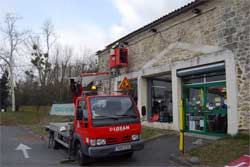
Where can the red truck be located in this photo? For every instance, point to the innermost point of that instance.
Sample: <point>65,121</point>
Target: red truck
<point>104,125</point>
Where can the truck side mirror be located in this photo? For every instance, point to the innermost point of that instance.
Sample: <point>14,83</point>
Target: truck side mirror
<point>143,110</point>
<point>79,114</point>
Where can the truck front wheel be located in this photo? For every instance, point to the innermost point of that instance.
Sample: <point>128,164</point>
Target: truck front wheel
<point>80,157</point>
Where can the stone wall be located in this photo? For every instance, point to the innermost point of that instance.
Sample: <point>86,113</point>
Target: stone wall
<point>235,35</point>
<point>223,23</point>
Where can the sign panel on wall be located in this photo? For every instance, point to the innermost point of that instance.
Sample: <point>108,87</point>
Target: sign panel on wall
<point>125,84</point>
<point>62,109</point>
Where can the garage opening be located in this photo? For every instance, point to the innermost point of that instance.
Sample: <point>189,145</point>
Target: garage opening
<point>160,99</point>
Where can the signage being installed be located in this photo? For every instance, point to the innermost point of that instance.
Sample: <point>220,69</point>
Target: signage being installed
<point>125,84</point>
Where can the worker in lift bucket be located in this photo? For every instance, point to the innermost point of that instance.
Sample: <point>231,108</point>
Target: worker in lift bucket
<point>76,89</point>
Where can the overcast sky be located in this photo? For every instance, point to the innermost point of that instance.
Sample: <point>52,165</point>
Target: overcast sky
<point>89,23</point>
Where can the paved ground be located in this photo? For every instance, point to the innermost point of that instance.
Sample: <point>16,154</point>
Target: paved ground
<point>156,153</point>
<point>39,154</point>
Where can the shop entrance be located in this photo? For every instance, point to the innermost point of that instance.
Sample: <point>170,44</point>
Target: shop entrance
<point>205,107</point>
<point>205,98</point>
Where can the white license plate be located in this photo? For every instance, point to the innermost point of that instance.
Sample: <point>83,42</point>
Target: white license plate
<point>123,147</point>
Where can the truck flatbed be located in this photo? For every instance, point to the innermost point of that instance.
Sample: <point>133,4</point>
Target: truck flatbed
<point>61,132</point>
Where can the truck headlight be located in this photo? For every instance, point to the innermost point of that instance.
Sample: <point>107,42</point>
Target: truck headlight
<point>135,137</point>
<point>92,142</point>
<point>100,142</point>
<point>97,142</point>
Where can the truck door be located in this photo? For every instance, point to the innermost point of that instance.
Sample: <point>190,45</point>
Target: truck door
<point>81,118</point>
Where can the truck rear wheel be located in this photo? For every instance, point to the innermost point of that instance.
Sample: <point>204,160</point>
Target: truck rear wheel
<point>55,145</point>
<point>80,157</point>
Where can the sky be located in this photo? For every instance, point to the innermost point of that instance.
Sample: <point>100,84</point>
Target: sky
<point>88,23</point>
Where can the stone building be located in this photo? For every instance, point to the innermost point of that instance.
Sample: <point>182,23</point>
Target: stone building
<point>199,53</point>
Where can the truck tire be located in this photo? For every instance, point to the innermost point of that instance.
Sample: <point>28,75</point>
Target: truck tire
<point>55,145</point>
<point>128,155</point>
<point>80,157</point>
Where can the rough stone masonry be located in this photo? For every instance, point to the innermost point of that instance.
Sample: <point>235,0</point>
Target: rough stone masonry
<point>221,23</point>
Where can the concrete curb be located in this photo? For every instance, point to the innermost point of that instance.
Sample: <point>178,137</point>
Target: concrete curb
<point>180,160</point>
<point>202,136</point>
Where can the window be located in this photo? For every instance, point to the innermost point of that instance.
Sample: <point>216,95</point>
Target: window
<point>83,108</point>
<point>192,80</point>
<point>123,56</point>
<point>194,109</point>
<point>195,99</point>
<point>216,109</point>
<point>215,77</point>
<point>112,107</point>
<point>204,78</point>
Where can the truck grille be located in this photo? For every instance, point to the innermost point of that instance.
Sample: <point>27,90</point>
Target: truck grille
<point>112,140</point>
<point>124,139</point>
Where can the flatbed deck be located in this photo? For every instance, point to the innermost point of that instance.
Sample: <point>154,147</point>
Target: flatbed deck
<point>56,127</point>
<point>61,132</point>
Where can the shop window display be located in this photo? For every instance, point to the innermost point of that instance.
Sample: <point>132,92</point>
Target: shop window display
<point>216,107</point>
<point>205,104</point>
<point>195,116</point>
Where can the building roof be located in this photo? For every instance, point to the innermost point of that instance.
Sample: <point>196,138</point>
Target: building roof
<point>156,22</point>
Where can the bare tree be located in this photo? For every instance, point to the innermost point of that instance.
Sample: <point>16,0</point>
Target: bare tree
<point>2,65</point>
<point>42,50</point>
<point>89,59</point>
<point>12,38</point>
<point>85,62</point>
<point>65,54</point>
<point>60,64</point>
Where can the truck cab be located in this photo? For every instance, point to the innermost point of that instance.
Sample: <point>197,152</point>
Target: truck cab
<point>106,125</point>
<point>103,125</point>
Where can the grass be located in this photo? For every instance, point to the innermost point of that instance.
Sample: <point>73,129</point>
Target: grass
<point>222,151</point>
<point>37,120</point>
<point>148,132</point>
<point>30,119</point>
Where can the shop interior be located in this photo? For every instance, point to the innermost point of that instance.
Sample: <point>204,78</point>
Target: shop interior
<point>160,99</point>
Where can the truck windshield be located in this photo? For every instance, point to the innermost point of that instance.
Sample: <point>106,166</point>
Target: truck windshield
<point>112,107</point>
